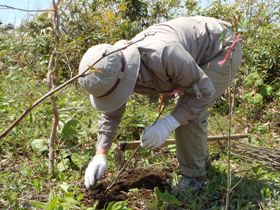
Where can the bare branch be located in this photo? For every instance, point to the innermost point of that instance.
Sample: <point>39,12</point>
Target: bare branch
<point>231,105</point>
<point>134,153</point>
<point>52,92</point>
<point>52,80</point>
<point>24,10</point>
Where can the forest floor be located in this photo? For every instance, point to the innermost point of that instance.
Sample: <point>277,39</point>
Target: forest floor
<point>143,180</point>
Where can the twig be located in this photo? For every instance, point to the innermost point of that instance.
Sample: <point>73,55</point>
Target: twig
<point>266,157</point>
<point>229,138</point>
<point>259,203</point>
<point>134,153</point>
<point>24,10</point>
<point>69,67</point>
<point>52,78</point>
<point>48,94</point>
<point>123,168</point>
<point>10,207</point>
<point>66,7</point>
<point>72,109</point>
<point>240,180</point>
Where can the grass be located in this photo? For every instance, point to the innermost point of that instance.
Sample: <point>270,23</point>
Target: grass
<point>25,184</point>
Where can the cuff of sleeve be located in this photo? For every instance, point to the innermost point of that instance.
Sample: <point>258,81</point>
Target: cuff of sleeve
<point>173,123</point>
<point>177,113</point>
<point>103,142</point>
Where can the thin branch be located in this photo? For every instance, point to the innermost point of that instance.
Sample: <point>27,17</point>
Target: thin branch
<point>136,150</point>
<point>52,92</point>
<point>52,78</point>
<point>123,168</point>
<point>66,7</point>
<point>68,65</point>
<point>24,10</point>
<point>229,136</point>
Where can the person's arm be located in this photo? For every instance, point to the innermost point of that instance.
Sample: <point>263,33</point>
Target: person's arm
<point>107,129</point>
<point>108,125</point>
<point>184,71</point>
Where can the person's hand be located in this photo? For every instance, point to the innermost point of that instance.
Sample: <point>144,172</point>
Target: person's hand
<point>155,135</point>
<point>95,170</point>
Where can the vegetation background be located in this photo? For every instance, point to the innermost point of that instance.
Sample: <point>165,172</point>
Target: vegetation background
<point>24,55</point>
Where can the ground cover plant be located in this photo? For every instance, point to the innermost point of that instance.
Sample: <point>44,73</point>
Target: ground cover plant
<point>24,54</point>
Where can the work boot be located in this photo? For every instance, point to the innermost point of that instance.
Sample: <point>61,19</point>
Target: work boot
<point>186,183</point>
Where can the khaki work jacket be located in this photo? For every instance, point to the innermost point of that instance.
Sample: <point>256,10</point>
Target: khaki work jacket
<point>172,54</point>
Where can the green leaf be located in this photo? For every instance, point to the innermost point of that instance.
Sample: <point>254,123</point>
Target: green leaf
<point>39,205</point>
<point>259,82</point>
<point>94,206</point>
<point>251,78</point>
<point>54,203</point>
<point>51,195</point>
<point>172,148</point>
<point>69,130</point>
<point>254,98</point>
<point>39,145</point>
<point>257,98</point>
<point>263,128</point>
<point>266,192</point>
<point>79,160</point>
<point>65,187</point>
<point>36,184</point>
<point>167,197</point>
<point>70,201</point>
<point>63,165</point>
<point>267,90</point>
<point>80,197</point>
<point>120,205</point>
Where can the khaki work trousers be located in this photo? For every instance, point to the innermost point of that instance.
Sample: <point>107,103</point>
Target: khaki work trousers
<point>191,139</point>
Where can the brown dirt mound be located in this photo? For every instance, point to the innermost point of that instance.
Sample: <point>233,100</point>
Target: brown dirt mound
<point>143,179</point>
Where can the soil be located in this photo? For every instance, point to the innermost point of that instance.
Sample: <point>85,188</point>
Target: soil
<point>145,180</point>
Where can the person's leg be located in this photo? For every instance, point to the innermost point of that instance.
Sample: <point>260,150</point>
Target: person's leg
<point>191,146</point>
<point>191,139</point>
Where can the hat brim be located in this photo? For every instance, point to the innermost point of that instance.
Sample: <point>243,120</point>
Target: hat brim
<point>126,86</point>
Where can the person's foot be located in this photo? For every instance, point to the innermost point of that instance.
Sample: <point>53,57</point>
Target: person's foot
<point>186,183</point>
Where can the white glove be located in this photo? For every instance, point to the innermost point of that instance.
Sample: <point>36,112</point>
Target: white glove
<point>155,135</point>
<point>95,170</point>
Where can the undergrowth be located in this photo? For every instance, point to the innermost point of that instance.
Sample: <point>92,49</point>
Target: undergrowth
<point>25,183</point>
<point>24,54</point>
